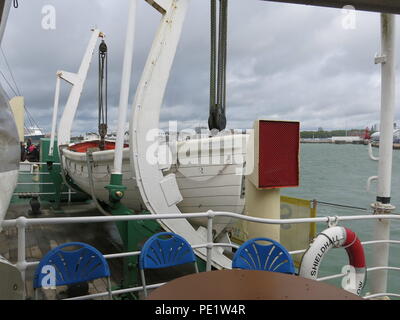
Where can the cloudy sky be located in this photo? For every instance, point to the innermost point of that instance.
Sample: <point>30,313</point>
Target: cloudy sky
<point>285,62</point>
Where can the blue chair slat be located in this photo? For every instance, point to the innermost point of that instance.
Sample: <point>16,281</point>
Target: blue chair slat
<point>90,266</point>
<point>272,257</point>
<point>159,252</point>
<point>83,264</point>
<point>57,262</point>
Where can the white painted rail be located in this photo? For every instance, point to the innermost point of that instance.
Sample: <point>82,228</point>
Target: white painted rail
<point>22,223</point>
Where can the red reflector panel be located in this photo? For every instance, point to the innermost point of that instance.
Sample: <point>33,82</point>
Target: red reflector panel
<point>278,154</point>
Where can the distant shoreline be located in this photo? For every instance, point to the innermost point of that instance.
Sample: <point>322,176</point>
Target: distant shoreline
<point>396,146</point>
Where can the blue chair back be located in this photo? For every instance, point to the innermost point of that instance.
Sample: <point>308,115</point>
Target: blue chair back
<point>165,249</point>
<point>270,257</point>
<point>73,266</point>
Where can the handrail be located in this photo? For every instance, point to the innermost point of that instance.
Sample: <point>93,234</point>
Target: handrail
<point>22,223</point>
<point>136,253</point>
<point>386,294</point>
<point>37,163</point>
<point>32,173</point>
<point>95,219</point>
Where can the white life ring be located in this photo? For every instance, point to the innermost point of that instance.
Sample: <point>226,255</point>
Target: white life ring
<point>336,237</point>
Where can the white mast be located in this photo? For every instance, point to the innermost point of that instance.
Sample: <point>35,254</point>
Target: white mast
<point>382,205</point>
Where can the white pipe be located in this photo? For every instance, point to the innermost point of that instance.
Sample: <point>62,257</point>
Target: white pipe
<point>209,241</point>
<point>125,82</point>
<point>95,219</point>
<point>55,113</point>
<point>387,105</point>
<point>385,294</point>
<point>21,263</point>
<point>370,153</point>
<point>380,256</point>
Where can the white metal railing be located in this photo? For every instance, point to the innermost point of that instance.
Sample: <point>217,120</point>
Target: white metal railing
<point>22,223</point>
<point>31,171</point>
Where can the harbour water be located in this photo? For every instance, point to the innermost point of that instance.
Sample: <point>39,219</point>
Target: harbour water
<point>338,173</point>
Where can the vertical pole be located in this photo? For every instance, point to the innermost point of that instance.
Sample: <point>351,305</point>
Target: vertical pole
<point>21,263</point>
<point>387,108</point>
<point>55,112</point>
<point>125,82</point>
<point>382,205</point>
<point>209,240</point>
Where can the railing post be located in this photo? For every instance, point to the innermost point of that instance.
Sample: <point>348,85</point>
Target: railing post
<point>209,239</point>
<point>21,263</point>
<point>382,205</point>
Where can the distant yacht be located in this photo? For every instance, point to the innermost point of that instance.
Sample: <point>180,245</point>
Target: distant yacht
<point>396,136</point>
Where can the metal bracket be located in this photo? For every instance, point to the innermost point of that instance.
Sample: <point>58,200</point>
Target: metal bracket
<point>370,179</point>
<point>381,208</point>
<point>333,221</point>
<point>380,59</point>
<point>156,6</point>
<point>370,153</point>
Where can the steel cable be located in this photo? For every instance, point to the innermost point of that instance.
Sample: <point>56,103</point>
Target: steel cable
<point>213,61</point>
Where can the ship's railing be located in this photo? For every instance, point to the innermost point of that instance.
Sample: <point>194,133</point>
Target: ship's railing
<point>33,169</point>
<point>22,223</point>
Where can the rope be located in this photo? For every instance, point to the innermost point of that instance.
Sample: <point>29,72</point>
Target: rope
<point>222,56</point>
<point>330,240</point>
<point>8,83</point>
<point>16,91</point>
<point>10,71</point>
<point>353,242</point>
<point>103,88</point>
<point>224,52</point>
<point>341,205</point>
<point>213,63</point>
<point>217,118</point>
<point>30,118</point>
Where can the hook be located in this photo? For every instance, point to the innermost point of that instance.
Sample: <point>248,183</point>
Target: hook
<point>333,221</point>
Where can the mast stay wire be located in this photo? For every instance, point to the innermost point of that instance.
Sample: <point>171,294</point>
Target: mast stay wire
<point>16,91</point>
<point>9,85</point>
<point>30,118</point>
<point>10,71</point>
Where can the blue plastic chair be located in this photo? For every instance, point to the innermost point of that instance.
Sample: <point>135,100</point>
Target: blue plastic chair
<point>163,250</point>
<point>81,264</point>
<point>270,257</point>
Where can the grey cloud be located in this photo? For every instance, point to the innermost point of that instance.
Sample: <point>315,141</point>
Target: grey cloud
<point>285,61</point>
